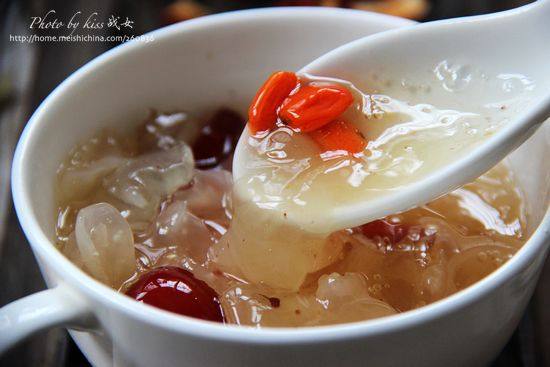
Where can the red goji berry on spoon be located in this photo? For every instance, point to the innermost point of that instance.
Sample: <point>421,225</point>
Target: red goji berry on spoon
<point>339,135</point>
<point>312,106</point>
<point>262,113</point>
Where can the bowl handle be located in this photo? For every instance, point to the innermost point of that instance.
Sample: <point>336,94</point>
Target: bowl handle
<point>58,306</point>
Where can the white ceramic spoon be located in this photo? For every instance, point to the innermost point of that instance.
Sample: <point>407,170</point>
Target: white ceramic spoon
<point>515,41</point>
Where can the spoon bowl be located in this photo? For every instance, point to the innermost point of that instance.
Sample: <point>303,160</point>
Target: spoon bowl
<point>463,64</point>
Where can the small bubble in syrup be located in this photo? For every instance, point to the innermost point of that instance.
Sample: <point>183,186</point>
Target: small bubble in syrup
<point>382,99</point>
<point>453,77</point>
<point>426,109</point>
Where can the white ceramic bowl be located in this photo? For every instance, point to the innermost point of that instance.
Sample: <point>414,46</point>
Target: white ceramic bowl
<point>219,61</point>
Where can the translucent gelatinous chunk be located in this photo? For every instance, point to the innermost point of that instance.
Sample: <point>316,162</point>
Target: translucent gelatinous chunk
<point>209,196</point>
<point>267,273</point>
<point>143,181</point>
<point>163,131</point>
<point>79,181</point>
<point>255,243</point>
<point>346,299</point>
<point>185,236</point>
<point>106,244</point>
<point>190,221</point>
<point>244,306</point>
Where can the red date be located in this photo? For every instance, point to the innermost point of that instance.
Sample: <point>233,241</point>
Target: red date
<point>177,290</point>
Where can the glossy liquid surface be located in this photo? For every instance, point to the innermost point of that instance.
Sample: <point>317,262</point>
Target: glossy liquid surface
<point>180,216</point>
<point>286,172</point>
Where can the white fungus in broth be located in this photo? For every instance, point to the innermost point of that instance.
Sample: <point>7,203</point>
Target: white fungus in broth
<point>172,221</point>
<point>105,243</point>
<point>142,182</point>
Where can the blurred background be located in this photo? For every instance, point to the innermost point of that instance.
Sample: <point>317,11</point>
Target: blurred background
<point>30,71</point>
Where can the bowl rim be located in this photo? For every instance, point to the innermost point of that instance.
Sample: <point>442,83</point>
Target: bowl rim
<point>100,293</point>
